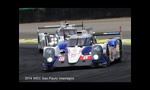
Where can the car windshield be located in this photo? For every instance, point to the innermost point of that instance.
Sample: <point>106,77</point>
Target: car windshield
<point>72,42</point>
<point>79,42</point>
<point>67,32</point>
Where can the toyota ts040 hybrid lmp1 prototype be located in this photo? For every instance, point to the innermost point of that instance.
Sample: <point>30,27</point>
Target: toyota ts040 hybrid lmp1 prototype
<point>63,32</point>
<point>82,49</point>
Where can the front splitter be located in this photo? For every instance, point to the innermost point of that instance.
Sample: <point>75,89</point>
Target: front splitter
<point>67,64</point>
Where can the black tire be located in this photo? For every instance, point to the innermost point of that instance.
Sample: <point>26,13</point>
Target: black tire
<point>108,59</point>
<point>120,49</point>
<point>48,69</point>
<point>41,50</point>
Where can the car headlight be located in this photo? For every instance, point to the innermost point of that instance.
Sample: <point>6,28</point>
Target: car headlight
<point>55,42</point>
<point>95,57</point>
<point>49,59</point>
<point>52,39</point>
<point>51,43</point>
<point>49,52</point>
<point>97,52</point>
<point>55,39</point>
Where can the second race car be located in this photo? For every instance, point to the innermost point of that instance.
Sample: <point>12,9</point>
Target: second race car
<point>63,32</point>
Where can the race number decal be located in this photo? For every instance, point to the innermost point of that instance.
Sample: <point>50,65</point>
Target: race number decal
<point>85,57</point>
<point>62,58</point>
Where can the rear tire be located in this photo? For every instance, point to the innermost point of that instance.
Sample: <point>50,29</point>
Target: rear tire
<point>120,49</point>
<point>40,50</point>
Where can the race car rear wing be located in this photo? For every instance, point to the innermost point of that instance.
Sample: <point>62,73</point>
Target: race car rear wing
<point>79,25</point>
<point>49,27</point>
<point>108,33</point>
<point>58,26</point>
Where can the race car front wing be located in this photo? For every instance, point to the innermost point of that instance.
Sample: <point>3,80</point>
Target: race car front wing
<point>62,61</point>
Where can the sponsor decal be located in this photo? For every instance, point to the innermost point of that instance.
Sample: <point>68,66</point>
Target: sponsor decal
<point>62,58</point>
<point>73,53</point>
<point>85,57</point>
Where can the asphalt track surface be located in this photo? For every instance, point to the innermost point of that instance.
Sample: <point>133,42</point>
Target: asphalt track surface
<point>30,68</point>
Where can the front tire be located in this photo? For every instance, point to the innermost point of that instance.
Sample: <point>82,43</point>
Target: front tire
<point>40,50</point>
<point>48,68</point>
<point>107,59</point>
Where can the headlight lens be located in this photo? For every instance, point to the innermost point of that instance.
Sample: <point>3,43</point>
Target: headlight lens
<point>96,49</point>
<point>95,57</point>
<point>97,52</point>
<point>49,52</point>
<point>55,42</point>
<point>55,39</point>
<point>52,39</point>
<point>51,43</point>
<point>49,59</point>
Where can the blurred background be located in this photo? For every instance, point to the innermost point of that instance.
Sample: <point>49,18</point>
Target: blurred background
<point>28,15</point>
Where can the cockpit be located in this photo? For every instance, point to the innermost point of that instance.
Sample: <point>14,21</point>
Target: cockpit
<point>67,32</point>
<point>79,42</point>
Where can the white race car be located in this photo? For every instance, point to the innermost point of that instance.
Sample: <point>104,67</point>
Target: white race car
<point>64,31</point>
<point>82,49</point>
